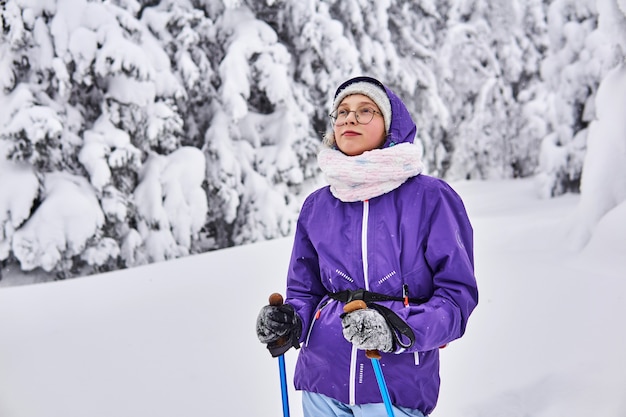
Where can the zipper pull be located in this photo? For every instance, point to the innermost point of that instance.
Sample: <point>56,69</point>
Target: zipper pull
<point>318,313</point>
<point>405,294</point>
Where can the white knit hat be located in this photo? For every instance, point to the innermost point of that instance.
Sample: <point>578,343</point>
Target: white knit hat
<point>369,87</point>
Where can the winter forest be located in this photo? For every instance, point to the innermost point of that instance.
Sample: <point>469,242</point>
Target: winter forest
<point>136,131</point>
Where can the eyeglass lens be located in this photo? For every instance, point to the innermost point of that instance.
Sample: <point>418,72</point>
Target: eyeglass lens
<point>363,115</point>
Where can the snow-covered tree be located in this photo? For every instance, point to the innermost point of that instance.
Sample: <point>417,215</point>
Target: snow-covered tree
<point>20,188</point>
<point>188,125</point>
<point>575,63</point>
<point>488,63</point>
<point>603,181</point>
<point>260,138</point>
<point>88,94</point>
<point>417,31</point>
<point>63,225</point>
<point>321,54</point>
<point>171,206</point>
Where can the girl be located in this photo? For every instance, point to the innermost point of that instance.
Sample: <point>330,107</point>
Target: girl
<point>383,233</point>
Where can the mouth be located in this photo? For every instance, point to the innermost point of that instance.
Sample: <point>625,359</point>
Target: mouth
<point>350,133</point>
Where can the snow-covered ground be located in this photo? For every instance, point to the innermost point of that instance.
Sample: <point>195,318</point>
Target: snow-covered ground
<point>177,338</point>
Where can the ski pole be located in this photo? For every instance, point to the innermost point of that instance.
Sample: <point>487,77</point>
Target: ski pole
<point>375,356</point>
<point>277,300</point>
<point>283,385</point>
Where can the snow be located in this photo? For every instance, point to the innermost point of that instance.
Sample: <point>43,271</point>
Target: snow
<point>604,179</point>
<point>177,337</point>
<point>106,147</point>
<point>170,188</point>
<point>58,230</point>
<point>17,193</point>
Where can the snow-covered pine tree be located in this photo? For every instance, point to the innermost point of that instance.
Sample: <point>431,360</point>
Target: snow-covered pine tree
<point>91,94</point>
<point>417,29</point>
<point>33,84</point>
<point>259,143</point>
<point>38,135</point>
<point>487,63</point>
<point>19,191</point>
<point>116,102</point>
<point>321,56</point>
<point>571,72</point>
<point>603,178</point>
<point>188,35</point>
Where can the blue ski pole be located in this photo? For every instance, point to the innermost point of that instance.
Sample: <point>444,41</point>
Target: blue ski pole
<point>277,300</point>
<point>283,385</point>
<point>375,356</point>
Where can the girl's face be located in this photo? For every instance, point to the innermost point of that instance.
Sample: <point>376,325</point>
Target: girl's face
<point>353,138</point>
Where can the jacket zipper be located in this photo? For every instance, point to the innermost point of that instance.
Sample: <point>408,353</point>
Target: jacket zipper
<point>353,359</point>
<point>366,214</point>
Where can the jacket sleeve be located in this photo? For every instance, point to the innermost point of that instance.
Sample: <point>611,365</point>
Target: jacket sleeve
<point>304,288</point>
<point>450,256</point>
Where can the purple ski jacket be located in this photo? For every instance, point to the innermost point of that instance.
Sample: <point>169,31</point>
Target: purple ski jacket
<point>417,235</point>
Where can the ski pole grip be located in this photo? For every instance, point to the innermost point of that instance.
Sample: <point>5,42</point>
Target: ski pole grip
<point>354,306</point>
<point>360,305</point>
<point>276,300</point>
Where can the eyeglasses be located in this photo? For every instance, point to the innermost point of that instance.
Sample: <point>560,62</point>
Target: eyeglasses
<point>363,115</point>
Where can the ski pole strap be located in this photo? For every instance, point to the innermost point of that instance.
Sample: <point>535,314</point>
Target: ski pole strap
<point>370,297</point>
<point>398,326</point>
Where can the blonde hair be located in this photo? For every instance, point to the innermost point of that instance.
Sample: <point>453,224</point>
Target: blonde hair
<point>328,140</point>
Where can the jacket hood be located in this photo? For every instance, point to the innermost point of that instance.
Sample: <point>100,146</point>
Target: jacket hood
<point>403,128</point>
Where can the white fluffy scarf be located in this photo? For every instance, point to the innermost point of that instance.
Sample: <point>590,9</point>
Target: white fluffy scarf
<point>373,173</point>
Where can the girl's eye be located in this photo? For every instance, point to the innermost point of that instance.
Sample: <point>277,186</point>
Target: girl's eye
<point>365,111</point>
<point>342,113</point>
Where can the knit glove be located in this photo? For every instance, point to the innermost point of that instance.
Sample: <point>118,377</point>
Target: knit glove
<point>279,327</point>
<point>367,330</point>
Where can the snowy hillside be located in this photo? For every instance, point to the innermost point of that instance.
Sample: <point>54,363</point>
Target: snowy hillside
<point>177,338</point>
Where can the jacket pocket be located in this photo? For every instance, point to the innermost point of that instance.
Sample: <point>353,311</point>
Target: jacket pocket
<point>318,313</point>
<point>418,283</point>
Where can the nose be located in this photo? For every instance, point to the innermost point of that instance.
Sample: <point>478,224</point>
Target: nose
<point>353,120</point>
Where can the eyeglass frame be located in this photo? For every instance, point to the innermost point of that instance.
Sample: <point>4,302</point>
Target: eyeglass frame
<point>333,116</point>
